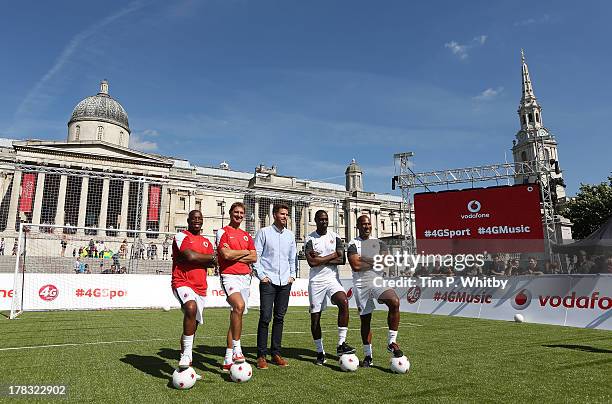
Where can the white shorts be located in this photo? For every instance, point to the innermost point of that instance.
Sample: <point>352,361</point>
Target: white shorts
<point>320,290</point>
<point>237,283</point>
<point>365,294</point>
<point>185,294</point>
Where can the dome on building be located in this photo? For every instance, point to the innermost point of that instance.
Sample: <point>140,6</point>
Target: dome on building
<point>353,168</point>
<point>102,108</point>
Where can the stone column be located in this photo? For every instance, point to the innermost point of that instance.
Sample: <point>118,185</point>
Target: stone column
<point>83,205</point>
<point>145,206</point>
<point>38,197</point>
<point>192,201</point>
<point>104,204</point>
<point>3,185</point>
<point>271,214</point>
<point>61,201</point>
<point>125,199</point>
<point>347,225</point>
<point>163,208</point>
<point>256,214</point>
<point>12,215</point>
<point>172,211</point>
<point>293,218</point>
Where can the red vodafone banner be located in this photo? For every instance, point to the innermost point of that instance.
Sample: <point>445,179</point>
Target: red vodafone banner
<point>154,201</point>
<point>28,186</point>
<point>497,219</point>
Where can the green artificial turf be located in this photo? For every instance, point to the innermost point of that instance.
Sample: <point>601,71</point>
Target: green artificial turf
<point>129,356</point>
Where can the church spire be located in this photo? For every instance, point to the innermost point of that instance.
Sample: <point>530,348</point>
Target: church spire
<point>529,111</point>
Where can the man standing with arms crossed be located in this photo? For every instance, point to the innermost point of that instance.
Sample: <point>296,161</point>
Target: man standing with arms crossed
<point>361,252</point>
<point>191,254</point>
<point>324,251</point>
<point>275,266</point>
<point>236,251</point>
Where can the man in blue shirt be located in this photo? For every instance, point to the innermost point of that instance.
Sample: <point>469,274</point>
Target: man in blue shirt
<point>275,267</point>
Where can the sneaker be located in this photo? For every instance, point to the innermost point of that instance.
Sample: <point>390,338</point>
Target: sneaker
<point>279,361</point>
<point>238,358</point>
<point>184,362</point>
<point>368,362</point>
<point>197,376</point>
<point>395,350</point>
<point>226,367</point>
<point>262,363</point>
<point>345,349</point>
<point>320,359</point>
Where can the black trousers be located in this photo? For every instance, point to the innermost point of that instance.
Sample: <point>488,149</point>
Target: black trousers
<point>273,299</point>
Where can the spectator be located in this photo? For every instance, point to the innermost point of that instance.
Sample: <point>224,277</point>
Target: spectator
<point>116,260</point>
<point>531,268</point>
<point>513,267</point>
<point>2,245</point>
<point>606,266</point>
<point>153,251</point>
<point>497,267</point>
<point>74,251</point>
<point>92,246</point>
<point>77,265</point>
<point>165,246</point>
<point>123,249</point>
<point>15,247</point>
<point>584,265</point>
<point>149,250</point>
<point>63,245</point>
<point>123,270</point>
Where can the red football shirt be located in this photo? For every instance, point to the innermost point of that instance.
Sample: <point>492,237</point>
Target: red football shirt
<point>186,274</point>
<point>234,239</point>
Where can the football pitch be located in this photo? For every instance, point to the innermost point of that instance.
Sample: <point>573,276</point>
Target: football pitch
<point>129,356</point>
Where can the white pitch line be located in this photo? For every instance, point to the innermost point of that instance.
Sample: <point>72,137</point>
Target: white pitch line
<point>18,348</point>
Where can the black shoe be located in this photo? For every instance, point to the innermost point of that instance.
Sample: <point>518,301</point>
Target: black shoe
<point>320,359</point>
<point>345,349</point>
<point>368,362</point>
<point>395,350</point>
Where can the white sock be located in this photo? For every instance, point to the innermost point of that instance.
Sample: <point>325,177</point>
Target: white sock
<point>319,345</point>
<point>237,348</point>
<point>342,334</point>
<point>367,350</point>
<point>228,356</point>
<point>188,344</point>
<point>392,337</point>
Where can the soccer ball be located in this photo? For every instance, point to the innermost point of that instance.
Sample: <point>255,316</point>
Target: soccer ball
<point>166,308</point>
<point>241,372</point>
<point>349,362</point>
<point>519,318</point>
<point>183,379</point>
<point>400,365</point>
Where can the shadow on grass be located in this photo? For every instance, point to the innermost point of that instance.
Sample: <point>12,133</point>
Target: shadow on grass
<point>152,365</point>
<point>583,348</point>
<point>200,360</point>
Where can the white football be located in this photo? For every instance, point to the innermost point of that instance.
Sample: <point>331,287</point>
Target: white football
<point>400,365</point>
<point>349,362</point>
<point>183,379</point>
<point>241,372</point>
<point>166,308</point>
<point>519,318</point>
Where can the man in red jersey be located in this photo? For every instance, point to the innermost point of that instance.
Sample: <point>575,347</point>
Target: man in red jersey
<point>236,251</point>
<point>191,254</point>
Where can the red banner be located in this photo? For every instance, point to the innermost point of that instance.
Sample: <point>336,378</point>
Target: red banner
<point>497,219</point>
<point>28,187</point>
<point>154,201</point>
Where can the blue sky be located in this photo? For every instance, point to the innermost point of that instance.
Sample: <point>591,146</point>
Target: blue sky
<point>307,86</point>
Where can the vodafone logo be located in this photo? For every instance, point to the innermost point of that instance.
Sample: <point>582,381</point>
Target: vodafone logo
<point>205,244</point>
<point>48,292</point>
<point>349,294</point>
<point>474,206</point>
<point>413,295</point>
<point>246,238</point>
<point>521,300</point>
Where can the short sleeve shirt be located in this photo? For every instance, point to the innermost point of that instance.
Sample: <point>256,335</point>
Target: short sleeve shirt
<point>186,274</point>
<point>366,248</point>
<point>324,245</point>
<point>234,239</point>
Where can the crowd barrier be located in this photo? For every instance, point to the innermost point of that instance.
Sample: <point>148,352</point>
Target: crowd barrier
<point>569,300</point>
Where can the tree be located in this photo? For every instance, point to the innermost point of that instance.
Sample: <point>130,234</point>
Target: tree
<point>590,209</point>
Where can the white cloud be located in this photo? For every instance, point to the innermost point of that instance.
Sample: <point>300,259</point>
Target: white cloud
<point>40,94</point>
<point>138,141</point>
<point>461,50</point>
<point>529,21</point>
<point>489,94</point>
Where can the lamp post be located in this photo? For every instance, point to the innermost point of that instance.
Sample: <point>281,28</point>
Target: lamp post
<point>392,218</point>
<point>221,204</point>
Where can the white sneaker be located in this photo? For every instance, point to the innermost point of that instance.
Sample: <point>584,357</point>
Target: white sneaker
<point>185,361</point>
<point>198,377</point>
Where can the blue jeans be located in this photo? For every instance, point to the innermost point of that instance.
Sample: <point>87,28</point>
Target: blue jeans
<point>273,298</point>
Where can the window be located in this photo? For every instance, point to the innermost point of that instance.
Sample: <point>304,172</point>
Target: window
<point>523,119</point>
<point>524,155</point>
<point>309,215</point>
<point>530,118</point>
<point>121,138</point>
<point>77,132</point>
<point>198,204</point>
<point>182,203</point>
<point>382,225</point>
<point>100,132</point>
<point>537,117</point>
<point>341,219</point>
